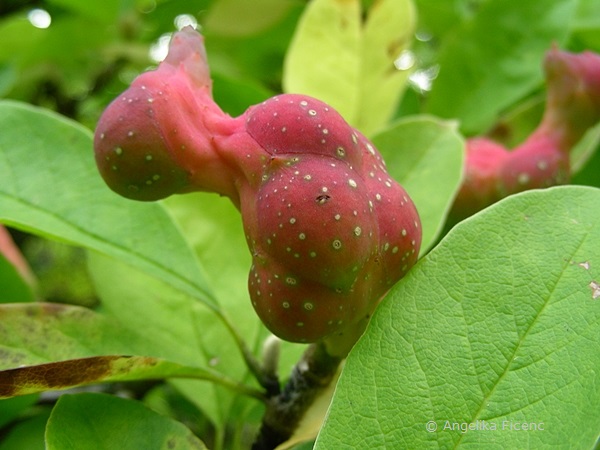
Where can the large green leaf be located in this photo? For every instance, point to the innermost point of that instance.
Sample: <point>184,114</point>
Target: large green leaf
<point>588,175</point>
<point>587,16</point>
<point>234,96</point>
<point>586,25</point>
<point>349,64</point>
<point>425,155</point>
<point>104,422</point>
<point>586,153</point>
<point>495,58</point>
<point>439,17</point>
<point>497,327</point>
<point>50,186</point>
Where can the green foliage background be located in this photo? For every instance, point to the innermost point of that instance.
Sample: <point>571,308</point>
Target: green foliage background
<point>497,323</point>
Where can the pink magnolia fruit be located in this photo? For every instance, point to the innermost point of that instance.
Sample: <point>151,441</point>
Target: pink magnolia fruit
<point>328,229</point>
<point>493,172</point>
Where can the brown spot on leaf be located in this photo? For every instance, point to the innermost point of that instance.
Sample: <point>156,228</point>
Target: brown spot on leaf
<point>55,375</point>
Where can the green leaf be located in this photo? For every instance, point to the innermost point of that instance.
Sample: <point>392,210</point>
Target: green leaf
<point>8,78</point>
<point>588,15</point>
<point>425,155</point>
<point>588,174</point>
<point>50,186</point>
<point>46,346</point>
<point>585,149</point>
<point>256,58</point>
<point>166,319</point>
<point>98,421</point>
<point>27,434</point>
<point>349,64</point>
<point>498,326</point>
<point>14,287</point>
<point>213,226</point>
<point>239,18</point>
<point>12,408</point>
<point>18,38</point>
<point>235,96</point>
<point>105,11</point>
<point>495,58</point>
<point>439,17</point>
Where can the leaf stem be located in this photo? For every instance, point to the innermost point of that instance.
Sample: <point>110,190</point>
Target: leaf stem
<point>269,382</point>
<point>236,386</point>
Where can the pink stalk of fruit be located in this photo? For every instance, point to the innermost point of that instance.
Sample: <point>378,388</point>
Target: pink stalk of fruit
<point>493,172</point>
<point>328,229</point>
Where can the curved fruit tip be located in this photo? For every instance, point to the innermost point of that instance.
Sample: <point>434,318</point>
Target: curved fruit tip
<point>187,50</point>
<point>573,73</point>
<point>162,135</point>
<point>483,163</point>
<point>573,96</point>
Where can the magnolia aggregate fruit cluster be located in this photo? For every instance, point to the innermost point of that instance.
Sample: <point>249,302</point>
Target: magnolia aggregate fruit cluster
<point>328,229</point>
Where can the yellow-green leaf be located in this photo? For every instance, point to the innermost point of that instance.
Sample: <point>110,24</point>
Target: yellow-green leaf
<point>342,60</point>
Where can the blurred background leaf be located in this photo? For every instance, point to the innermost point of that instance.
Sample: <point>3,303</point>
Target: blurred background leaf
<point>493,58</point>
<point>352,59</point>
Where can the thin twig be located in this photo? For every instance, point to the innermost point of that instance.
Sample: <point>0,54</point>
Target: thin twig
<point>311,376</point>
<point>269,382</point>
